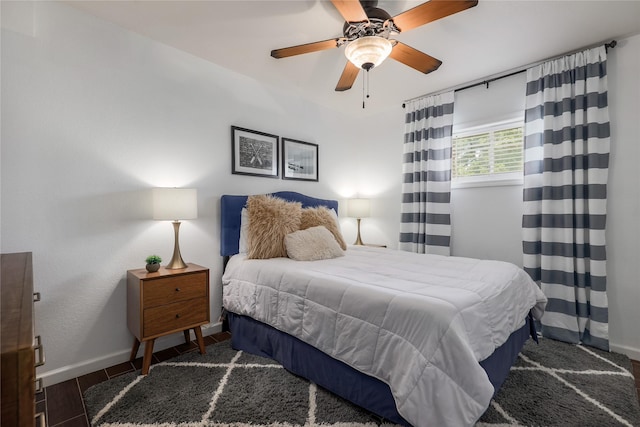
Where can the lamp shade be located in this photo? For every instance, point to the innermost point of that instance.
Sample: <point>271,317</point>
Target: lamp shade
<point>367,52</point>
<point>174,204</point>
<point>358,208</point>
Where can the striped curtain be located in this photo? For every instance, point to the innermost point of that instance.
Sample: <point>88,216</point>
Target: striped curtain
<point>426,190</point>
<point>565,194</point>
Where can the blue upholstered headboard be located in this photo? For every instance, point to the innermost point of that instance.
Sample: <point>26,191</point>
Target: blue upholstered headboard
<point>231,211</point>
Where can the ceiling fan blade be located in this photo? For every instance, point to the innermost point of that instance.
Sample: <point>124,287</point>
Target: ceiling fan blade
<point>414,58</point>
<point>348,77</point>
<point>429,12</point>
<point>305,48</point>
<point>351,10</point>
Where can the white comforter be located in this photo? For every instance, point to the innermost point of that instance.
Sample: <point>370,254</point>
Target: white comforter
<point>420,323</point>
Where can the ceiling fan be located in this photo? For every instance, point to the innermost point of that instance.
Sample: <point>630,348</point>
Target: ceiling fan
<point>367,32</point>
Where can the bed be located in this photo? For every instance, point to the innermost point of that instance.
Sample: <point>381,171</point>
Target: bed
<point>420,340</point>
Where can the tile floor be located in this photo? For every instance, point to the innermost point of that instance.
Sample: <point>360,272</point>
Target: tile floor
<point>63,402</point>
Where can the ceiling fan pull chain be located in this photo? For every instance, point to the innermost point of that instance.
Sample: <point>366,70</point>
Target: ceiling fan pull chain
<point>368,84</point>
<point>365,83</point>
<point>363,77</point>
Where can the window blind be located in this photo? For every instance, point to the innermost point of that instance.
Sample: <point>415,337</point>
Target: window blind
<point>490,152</point>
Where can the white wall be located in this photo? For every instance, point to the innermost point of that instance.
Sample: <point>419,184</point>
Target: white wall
<point>623,204</point>
<point>93,116</point>
<point>486,221</point>
<point>377,163</point>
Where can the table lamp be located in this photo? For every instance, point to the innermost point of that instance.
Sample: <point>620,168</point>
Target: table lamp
<point>175,204</point>
<point>358,208</point>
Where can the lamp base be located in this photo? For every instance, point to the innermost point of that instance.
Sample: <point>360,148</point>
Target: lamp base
<point>176,260</point>
<point>358,241</point>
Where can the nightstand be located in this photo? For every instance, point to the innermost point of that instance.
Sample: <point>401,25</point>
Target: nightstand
<point>166,302</point>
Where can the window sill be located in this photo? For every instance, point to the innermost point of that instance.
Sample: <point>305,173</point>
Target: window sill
<point>486,183</point>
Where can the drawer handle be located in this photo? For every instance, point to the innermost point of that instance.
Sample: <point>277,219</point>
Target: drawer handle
<point>39,348</point>
<point>177,289</point>
<point>42,420</point>
<point>36,296</point>
<point>177,316</point>
<point>39,386</point>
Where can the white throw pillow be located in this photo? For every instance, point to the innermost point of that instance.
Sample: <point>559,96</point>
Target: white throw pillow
<point>312,244</point>
<point>334,214</point>
<point>244,231</point>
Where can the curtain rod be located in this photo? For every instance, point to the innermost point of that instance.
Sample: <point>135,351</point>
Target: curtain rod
<point>522,69</point>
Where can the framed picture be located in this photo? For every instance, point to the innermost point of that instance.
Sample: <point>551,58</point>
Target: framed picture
<point>299,160</point>
<point>254,153</point>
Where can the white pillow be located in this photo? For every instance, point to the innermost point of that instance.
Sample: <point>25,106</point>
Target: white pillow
<point>244,231</point>
<point>312,244</point>
<point>334,214</point>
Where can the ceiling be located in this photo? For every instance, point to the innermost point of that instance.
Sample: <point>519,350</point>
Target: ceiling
<point>491,38</point>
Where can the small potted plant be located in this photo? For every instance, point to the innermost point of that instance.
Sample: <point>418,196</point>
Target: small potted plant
<point>153,263</point>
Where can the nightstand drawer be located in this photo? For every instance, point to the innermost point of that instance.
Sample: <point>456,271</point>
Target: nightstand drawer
<point>171,289</point>
<point>175,317</point>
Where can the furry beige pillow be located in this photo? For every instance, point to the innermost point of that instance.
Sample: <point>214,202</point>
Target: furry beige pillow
<point>312,244</point>
<point>270,220</point>
<point>312,217</point>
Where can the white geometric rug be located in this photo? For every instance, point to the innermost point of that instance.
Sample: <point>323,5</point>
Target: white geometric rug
<point>553,384</point>
<point>222,388</point>
<point>559,384</point>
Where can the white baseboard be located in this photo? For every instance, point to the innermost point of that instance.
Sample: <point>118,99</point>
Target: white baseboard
<point>85,367</point>
<point>633,353</point>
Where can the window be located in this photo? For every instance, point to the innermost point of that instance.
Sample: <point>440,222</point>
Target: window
<point>488,155</point>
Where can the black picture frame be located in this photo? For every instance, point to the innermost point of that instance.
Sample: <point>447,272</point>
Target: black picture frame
<point>254,153</point>
<point>299,160</point>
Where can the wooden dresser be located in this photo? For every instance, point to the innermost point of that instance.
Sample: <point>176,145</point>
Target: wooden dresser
<point>21,351</point>
<point>166,302</point>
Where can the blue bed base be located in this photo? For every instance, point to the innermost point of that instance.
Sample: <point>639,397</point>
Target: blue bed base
<point>302,359</point>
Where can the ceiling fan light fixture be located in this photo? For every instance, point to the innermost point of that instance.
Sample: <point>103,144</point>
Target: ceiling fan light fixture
<point>368,52</point>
